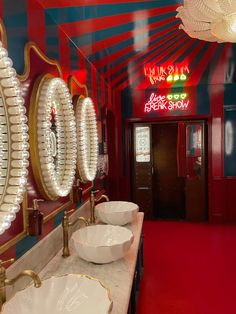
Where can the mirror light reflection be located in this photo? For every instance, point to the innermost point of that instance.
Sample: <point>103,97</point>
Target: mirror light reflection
<point>87,133</point>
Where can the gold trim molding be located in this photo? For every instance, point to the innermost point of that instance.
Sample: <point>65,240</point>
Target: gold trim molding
<point>33,46</point>
<point>3,34</point>
<point>72,79</point>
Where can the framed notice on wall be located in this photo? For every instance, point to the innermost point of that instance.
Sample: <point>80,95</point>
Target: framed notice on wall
<point>142,144</point>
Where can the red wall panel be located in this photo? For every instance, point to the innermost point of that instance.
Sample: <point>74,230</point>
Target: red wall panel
<point>36,24</point>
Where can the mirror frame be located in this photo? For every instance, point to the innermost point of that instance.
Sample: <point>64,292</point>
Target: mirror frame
<point>50,184</point>
<point>17,142</point>
<point>86,125</point>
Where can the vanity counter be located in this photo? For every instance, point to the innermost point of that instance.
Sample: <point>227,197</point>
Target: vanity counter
<point>116,276</point>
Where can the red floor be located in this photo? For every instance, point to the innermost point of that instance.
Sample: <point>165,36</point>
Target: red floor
<point>189,268</point>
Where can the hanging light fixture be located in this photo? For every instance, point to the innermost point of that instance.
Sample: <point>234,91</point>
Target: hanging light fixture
<point>209,20</point>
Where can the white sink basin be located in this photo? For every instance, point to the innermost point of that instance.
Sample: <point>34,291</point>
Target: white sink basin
<point>60,295</point>
<point>102,243</point>
<point>116,212</point>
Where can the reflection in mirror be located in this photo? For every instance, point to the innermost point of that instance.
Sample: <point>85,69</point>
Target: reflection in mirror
<point>53,133</point>
<point>52,125</point>
<point>87,134</point>
<point>194,147</point>
<point>13,143</point>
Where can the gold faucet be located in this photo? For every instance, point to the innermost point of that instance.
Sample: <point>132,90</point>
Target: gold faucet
<point>65,226</point>
<point>7,282</point>
<point>93,202</point>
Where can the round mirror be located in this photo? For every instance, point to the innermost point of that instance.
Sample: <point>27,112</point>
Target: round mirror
<point>52,137</point>
<point>87,134</point>
<point>13,143</point>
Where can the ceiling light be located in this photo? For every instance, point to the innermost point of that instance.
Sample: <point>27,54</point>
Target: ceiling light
<point>209,20</point>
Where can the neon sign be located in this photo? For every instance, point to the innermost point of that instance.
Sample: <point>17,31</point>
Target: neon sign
<point>169,102</point>
<point>170,73</point>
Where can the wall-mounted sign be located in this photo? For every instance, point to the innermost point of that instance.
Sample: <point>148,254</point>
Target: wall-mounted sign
<point>142,144</point>
<point>168,102</point>
<point>170,73</point>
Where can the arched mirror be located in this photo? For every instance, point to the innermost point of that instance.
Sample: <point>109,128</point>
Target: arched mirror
<point>52,137</point>
<point>87,134</point>
<point>13,142</point>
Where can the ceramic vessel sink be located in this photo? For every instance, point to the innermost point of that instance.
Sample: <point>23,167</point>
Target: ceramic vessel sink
<point>102,243</point>
<point>60,295</point>
<point>116,212</point>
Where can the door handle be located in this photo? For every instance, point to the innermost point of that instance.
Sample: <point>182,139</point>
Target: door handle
<point>143,188</point>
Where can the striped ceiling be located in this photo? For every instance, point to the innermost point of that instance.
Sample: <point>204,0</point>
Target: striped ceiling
<point>120,37</point>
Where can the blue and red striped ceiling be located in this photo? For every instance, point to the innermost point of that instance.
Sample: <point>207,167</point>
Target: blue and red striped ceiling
<point>120,37</point>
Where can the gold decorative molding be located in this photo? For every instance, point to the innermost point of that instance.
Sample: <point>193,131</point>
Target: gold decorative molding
<point>3,34</point>
<point>33,46</point>
<point>72,79</point>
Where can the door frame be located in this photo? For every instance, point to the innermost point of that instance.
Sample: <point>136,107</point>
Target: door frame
<point>208,141</point>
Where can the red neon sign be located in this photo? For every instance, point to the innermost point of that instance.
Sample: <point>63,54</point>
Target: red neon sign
<point>160,102</point>
<point>169,73</point>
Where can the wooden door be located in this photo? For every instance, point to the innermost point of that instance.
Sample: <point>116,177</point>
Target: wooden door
<point>168,187</point>
<point>195,186</point>
<point>142,168</point>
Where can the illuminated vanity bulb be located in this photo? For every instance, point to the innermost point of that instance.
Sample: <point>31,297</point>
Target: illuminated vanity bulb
<point>5,62</point>
<point>3,52</point>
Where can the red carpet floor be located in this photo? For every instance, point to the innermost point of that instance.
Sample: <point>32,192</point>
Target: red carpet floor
<point>189,268</point>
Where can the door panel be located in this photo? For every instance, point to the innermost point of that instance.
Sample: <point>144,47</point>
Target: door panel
<point>142,169</point>
<point>169,199</point>
<point>195,193</point>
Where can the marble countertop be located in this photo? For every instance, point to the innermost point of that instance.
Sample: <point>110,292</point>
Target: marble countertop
<point>116,276</point>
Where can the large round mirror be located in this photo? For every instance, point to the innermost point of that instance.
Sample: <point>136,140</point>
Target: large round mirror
<point>52,137</point>
<point>13,143</point>
<point>87,134</point>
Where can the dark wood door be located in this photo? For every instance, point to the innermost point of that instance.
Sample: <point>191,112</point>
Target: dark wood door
<point>142,168</point>
<point>169,178</point>
<point>195,193</point>
<point>168,188</point>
